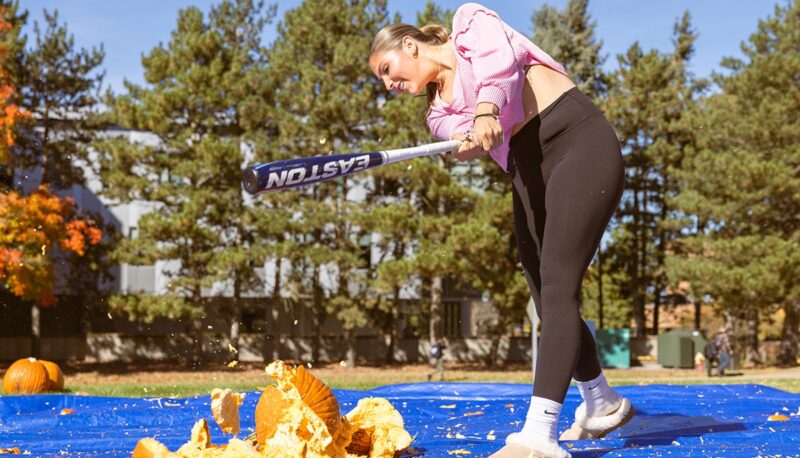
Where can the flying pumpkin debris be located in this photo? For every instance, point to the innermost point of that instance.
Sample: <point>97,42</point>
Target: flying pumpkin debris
<point>298,416</point>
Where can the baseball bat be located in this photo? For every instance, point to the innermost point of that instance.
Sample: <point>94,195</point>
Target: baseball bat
<point>291,173</point>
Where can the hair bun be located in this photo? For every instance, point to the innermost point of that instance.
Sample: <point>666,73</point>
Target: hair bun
<point>436,33</point>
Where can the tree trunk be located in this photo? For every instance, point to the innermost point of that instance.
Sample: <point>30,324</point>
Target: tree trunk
<point>350,340</point>
<point>752,355</point>
<point>656,307</point>
<point>697,313</point>
<point>494,351</point>
<point>271,345</point>
<point>790,335</point>
<point>391,336</point>
<point>316,317</point>
<point>698,304</point>
<point>437,321</point>
<point>197,344</point>
<point>661,252</point>
<point>36,334</point>
<point>644,238</point>
<point>236,319</point>
<point>635,273</point>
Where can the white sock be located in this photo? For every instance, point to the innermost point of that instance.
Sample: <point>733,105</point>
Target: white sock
<point>600,398</point>
<point>542,419</point>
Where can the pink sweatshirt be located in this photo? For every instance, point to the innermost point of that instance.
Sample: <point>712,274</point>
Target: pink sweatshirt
<point>490,67</point>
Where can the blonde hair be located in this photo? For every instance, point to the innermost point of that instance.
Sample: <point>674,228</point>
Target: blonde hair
<point>391,37</point>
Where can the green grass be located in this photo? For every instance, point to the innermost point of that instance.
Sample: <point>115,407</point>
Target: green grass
<point>138,390</point>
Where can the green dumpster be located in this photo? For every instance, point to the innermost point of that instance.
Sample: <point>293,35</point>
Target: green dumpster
<point>677,348</point>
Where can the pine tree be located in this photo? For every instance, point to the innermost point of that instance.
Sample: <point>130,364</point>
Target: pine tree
<point>432,192</point>
<point>201,96</point>
<point>648,102</point>
<point>325,103</point>
<point>60,87</point>
<point>569,37</point>
<point>486,260</point>
<point>741,188</point>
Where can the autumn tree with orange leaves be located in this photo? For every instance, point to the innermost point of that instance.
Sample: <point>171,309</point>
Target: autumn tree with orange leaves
<point>32,227</point>
<point>10,112</point>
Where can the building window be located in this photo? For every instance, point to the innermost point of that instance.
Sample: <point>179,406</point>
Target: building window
<point>366,250</point>
<point>133,232</point>
<point>452,319</point>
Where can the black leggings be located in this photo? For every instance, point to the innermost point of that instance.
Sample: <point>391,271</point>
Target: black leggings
<point>568,175</point>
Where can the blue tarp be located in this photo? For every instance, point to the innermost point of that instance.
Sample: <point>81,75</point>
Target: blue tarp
<point>697,420</point>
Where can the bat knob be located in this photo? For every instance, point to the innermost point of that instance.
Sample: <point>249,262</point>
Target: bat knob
<point>250,180</point>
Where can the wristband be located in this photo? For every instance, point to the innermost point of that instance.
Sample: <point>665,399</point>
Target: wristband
<point>486,114</point>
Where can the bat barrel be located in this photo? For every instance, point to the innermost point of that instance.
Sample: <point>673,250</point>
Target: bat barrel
<point>278,175</point>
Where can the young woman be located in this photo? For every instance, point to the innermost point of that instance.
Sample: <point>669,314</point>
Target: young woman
<point>490,87</point>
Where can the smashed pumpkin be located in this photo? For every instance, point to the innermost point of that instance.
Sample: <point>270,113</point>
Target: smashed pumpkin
<point>297,417</point>
<point>300,410</point>
<point>378,429</point>
<point>199,446</point>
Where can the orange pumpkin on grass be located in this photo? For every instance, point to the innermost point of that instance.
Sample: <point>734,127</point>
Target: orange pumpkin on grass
<point>54,375</point>
<point>32,376</point>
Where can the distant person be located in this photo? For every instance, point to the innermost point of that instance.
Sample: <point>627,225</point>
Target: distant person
<point>488,86</point>
<point>437,359</point>
<point>723,343</point>
<point>711,355</point>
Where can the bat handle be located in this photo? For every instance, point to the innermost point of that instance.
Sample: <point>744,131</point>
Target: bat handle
<point>432,149</point>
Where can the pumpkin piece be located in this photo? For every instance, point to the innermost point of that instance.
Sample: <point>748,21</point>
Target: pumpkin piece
<point>150,448</point>
<point>268,412</point>
<point>360,443</point>
<point>54,376</point>
<point>378,429</point>
<point>291,425</point>
<point>25,376</point>
<point>778,417</point>
<point>237,448</point>
<point>319,397</point>
<point>301,414</point>
<point>312,391</point>
<point>199,441</point>
<point>225,407</point>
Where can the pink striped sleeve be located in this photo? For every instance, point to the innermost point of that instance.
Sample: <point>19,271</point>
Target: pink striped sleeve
<point>480,36</point>
<point>443,124</point>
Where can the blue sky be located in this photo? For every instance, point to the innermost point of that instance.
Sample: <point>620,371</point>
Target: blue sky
<point>128,29</point>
